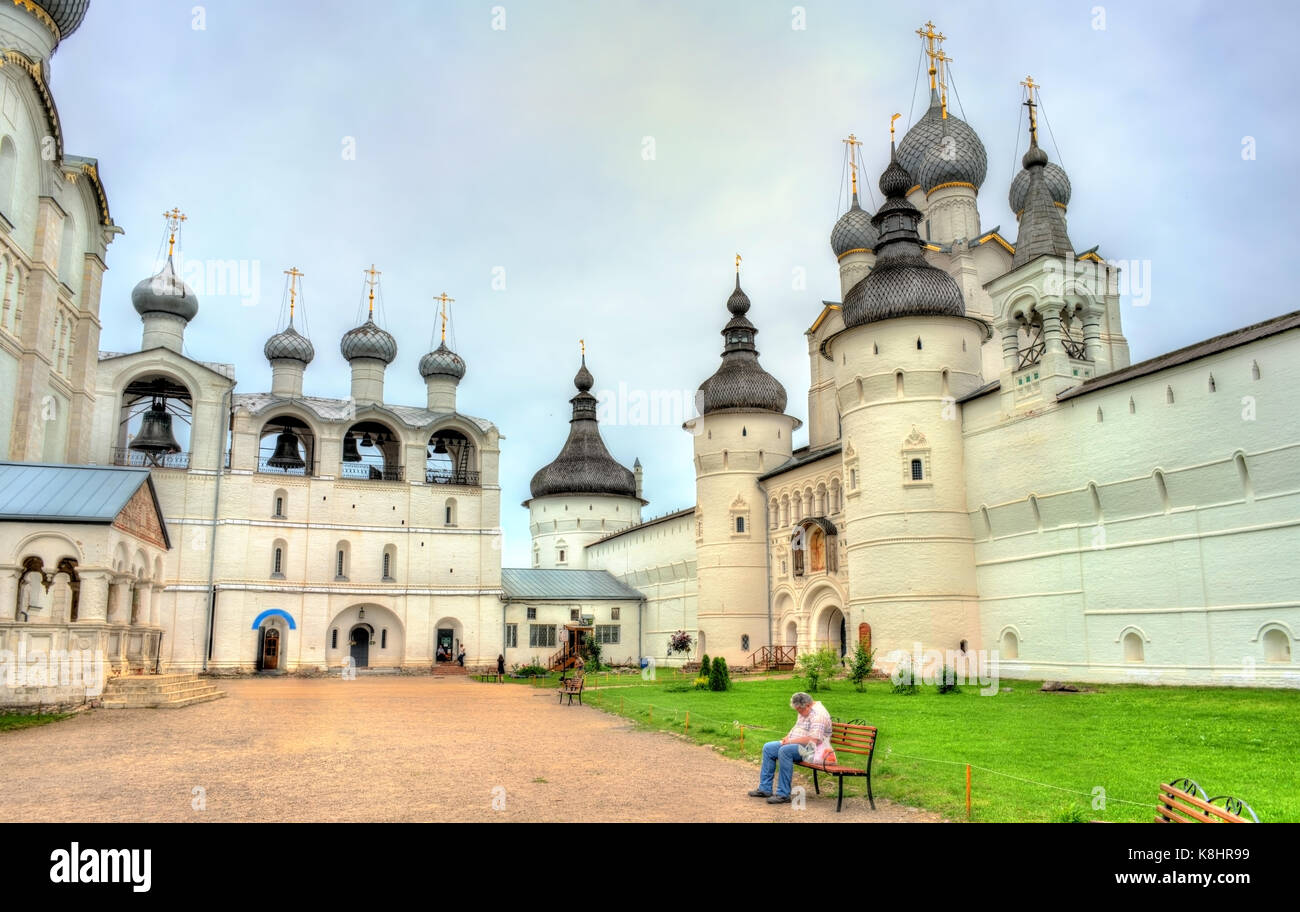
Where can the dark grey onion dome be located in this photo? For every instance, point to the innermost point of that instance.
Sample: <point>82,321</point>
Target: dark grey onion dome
<point>289,345</point>
<point>1042,224</point>
<point>740,382</point>
<point>584,466</point>
<point>165,293</point>
<point>369,341</point>
<point>902,283</point>
<point>442,362</point>
<point>942,150</point>
<point>853,231</point>
<point>1058,184</point>
<point>67,14</point>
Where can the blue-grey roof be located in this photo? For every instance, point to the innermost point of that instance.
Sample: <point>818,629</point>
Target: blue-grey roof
<point>563,585</point>
<point>32,491</point>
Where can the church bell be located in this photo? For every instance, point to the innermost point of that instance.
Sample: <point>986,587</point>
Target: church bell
<point>155,437</point>
<point>350,453</point>
<point>439,445</point>
<point>286,452</point>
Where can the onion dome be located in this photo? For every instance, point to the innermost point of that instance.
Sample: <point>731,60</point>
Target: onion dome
<point>853,231</point>
<point>442,362</point>
<point>165,293</point>
<point>289,345</point>
<point>942,150</point>
<point>67,14</point>
<point>903,283</point>
<point>584,466</point>
<point>1042,224</point>
<point>369,341</point>
<point>740,382</point>
<point>1058,184</point>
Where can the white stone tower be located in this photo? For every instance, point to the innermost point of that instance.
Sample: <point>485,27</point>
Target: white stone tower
<point>369,349</point>
<point>442,370</point>
<point>907,351</point>
<point>289,351</point>
<point>166,305</point>
<point>741,433</point>
<point>584,494</point>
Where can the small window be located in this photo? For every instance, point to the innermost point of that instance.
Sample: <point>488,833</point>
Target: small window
<point>532,614</point>
<point>334,638</point>
<point>574,614</point>
<point>1212,387</point>
<point>277,563</point>
<point>613,614</point>
<point>744,642</point>
<point>447,516</point>
<point>918,473</point>
<point>338,564</point>
<point>1133,651</point>
<point>853,479</point>
<point>561,555</point>
<point>541,636</point>
<point>383,638</point>
<point>918,343</point>
<point>1254,370</point>
<point>512,636</point>
<point>740,524</point>
<point>279,507</point>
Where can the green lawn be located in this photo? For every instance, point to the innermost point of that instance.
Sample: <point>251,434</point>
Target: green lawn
<point>10,721</point>
<point>1123,738</point>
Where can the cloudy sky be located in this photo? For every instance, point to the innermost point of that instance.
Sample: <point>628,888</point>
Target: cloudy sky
<point>605,161</point>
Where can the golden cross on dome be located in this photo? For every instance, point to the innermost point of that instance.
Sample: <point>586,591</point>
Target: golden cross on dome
<point>445,301</point>
<point>943,60</point>
<point>372,275</point>
<point>294,275</point>
<point>737,264</point>
<point>929,35</point>
<point>853,142</point>
<point>891,127</point>
<point>1029,84</point>
<point>174,219</point>
<point>582,343</point>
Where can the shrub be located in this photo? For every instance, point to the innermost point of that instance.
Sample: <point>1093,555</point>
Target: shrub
<point>525,671</point>
<point>904,678</point>
<point>860,670</point>
<point>702,683</point>
<point>681,641</point>
<point>818,667</point>
<point>1070,813</point>
<point>719,676</point>
<point>590,652</point>
<point>705,665</point>
<point>947,682</point>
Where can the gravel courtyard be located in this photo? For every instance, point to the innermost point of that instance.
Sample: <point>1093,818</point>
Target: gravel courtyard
<point>383,749</point>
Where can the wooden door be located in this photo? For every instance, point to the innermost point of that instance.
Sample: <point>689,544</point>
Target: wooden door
<point>271,650</point>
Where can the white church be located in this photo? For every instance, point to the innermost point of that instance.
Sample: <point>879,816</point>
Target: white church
<point>985,470</point>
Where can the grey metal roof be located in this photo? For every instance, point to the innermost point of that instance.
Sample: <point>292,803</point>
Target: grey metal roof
<point>46,492</point>
<point>801,457</point>
<point>369,340</point>
<point>740,382</point>
<point>289,345</point>
<point>853,231</point>
<point>442,361</point>
<point>1042,226</point>
<point>941,150</point>
<point>1058,182</point>
<point>165,293</point>
<point>563,585</point>
<point>67,14</point>
<point>653,521</point>
<point>346,410</point>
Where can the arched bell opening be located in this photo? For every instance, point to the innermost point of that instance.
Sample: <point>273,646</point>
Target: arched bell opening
<point>287,446</point>
<point>450,459</point>
<point>154,424</point>
<point>1030,343</point>
<point>371,451</point>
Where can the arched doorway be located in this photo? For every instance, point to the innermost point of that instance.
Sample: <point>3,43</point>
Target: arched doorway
<point>864,636</point>
<point>359,645</point>
<point>792,634</point>
<point>270,649</point>
<point>448,641</point>
<point>832,632</point>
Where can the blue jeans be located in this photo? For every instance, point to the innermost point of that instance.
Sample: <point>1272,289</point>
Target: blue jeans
<point>775,753</point>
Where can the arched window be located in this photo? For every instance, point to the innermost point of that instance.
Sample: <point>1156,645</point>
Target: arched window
<point>68,254</point>
<point>449,512</point>
<point>371,451</point>
<point>154,423</point>
<point>1133,647</point>
<point>8,173</point>
<point>383,638</point>
<point>387,566</point>
<point>1277,646</point>
<point>918,473</point>
<point>1212,386</point>
<point>450,459</point>
<point>278,504</point>
<point>1254,370</point>
<point>918,343</point>
<point>740,524</point>
<point>286,446</point>
<point>334,638</point>
<point>341,561</point>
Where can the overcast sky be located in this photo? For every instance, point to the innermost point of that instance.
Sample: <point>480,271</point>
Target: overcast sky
<point>521,153</point>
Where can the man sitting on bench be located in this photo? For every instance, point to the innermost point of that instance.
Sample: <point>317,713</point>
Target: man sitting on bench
<point>813,728</point>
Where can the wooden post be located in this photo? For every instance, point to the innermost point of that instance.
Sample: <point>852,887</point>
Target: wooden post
<point>742,739</point>
<point>968,791</point>
<point>688,720</point>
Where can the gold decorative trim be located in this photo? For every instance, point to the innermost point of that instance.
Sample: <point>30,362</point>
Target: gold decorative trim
<point>931,247</point>
<point>949,184</point>
<point>997,237</point>
<point>854,250</point>
<point>40,14</point>
<point>1093,257</point>
<point>913,190</point>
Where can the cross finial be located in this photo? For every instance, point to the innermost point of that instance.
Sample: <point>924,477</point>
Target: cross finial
<point>1029,84</point>
<point>372,278</point>
<point>943,61</point>
<point>852,142</point>
<point>294,275</point>
<point>445,301</point>
<point>582,343</point>
<point>891,127</point>
<point>929,35</point>
<point>737,264</point>
<point>174,218</point>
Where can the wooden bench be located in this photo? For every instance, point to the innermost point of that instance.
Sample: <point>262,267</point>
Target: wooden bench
<point>1178,803</point>
<point>572,687</point>
<point>847,738</point>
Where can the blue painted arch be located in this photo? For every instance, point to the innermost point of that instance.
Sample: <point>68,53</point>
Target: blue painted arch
<point>274,612</point>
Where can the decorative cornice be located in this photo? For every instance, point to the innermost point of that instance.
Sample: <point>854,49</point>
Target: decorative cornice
<point>854,250</point>
<point>937,187</point>
<point>40,14</point>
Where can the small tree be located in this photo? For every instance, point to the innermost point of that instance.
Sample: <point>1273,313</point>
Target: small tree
<point>590,652</point>
<point>719,675</point>
<point>947,682</point>
<point>817,668</point>
<point>904,678</point>
<point>681,641</point>
<point>860,670</point>
<point>705,666</point>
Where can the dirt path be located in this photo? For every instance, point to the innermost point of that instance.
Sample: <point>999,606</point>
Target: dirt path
<point>383,749</point>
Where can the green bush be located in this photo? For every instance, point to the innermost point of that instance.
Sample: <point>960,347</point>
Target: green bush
<point>817,668</point>
<point>860,670</point>
<point>719,676</point>
<point>525,671</point>
<point>705,665</point>
<point>904,678</point>
<point>1070,813</point>
<point>590,653</point>
<point>947,682</point>
<point>702,683</point>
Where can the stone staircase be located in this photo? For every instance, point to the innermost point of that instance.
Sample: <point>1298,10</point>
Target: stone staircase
<point>449,669</point>
<point>157,691</point>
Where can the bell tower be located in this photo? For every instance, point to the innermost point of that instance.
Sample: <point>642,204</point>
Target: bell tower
<point>741,433</point>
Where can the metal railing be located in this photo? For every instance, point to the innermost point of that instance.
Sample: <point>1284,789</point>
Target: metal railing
<point>125,456</point>
<point>265,469</point>
<point>451,477</point>
<point>364,471</point>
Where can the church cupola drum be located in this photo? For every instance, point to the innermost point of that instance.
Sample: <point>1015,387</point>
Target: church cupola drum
<point>442,369</point>
<point>166,305</point>
<point>369,349</point>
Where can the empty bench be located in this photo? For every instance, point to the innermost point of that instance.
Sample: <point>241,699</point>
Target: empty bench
<point>572,687</point>
<point>1178,803</point>
<point>847,738</point>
